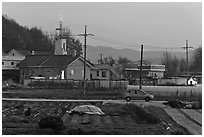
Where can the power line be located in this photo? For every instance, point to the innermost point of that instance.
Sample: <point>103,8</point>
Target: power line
<point>132,45</point>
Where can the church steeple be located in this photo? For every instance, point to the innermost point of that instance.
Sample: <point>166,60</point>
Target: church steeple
<point>60,42</point>
<point>60,29</point>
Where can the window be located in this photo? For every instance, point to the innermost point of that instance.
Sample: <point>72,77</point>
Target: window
<point>13,54</point>
<point>135,91</point>
<point>72,72</point>
<point>103,74</point>
<point>12,63</point>
<point>97,73</point>
<point>2,63</point>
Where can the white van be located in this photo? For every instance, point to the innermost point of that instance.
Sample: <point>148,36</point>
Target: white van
<point>133,92</point>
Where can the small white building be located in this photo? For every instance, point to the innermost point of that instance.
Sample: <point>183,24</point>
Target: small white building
<point>192,81</point>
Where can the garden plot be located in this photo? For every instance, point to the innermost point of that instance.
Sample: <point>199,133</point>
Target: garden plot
<point>184,121</point>
<point>194,115</point>
<point>126,119</point>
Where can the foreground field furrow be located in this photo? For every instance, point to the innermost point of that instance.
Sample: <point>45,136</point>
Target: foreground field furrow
<point>199,110</point>
<point>96,120</point>
<point>194,115</point>
<point>65,118</point>
<point>106,120</point>
<point>74,119</point>
<point>127,119</point>
<point>18,131</point>
<point>85,119</point>
<point>19,125</point>
<point>183,121</point>
<point>117,120</point>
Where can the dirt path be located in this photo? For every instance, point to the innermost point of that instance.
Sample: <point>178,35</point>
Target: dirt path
<point>189,119</point>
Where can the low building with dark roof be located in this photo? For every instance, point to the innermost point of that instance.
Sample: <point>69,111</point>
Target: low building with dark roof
<point>104,72</point>
<point>54,66</point>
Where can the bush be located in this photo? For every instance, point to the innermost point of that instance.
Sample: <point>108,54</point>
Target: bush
<point>51,122</point>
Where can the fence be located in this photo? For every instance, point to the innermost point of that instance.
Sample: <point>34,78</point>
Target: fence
<point>77,84</point>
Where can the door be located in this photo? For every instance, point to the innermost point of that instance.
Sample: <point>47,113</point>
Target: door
<point>140,95</point>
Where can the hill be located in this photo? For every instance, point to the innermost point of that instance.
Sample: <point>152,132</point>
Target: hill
<point>153,56</point>
<point>15,36</point>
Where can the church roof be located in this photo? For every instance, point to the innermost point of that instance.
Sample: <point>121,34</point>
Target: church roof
<point>55,61</point>
<point>47,61</point>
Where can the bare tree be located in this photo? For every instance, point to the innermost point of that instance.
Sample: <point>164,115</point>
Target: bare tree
<point>173,65</point>
<point>196,64</point>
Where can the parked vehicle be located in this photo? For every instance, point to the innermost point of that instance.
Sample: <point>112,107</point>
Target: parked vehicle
<point>138,94</point>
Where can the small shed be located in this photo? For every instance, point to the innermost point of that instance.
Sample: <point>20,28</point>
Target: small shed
<point>192,81</point>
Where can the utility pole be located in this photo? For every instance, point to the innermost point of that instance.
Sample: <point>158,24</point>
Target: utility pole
<point>85,35</point>
<point>141,66</point>
<point>187,71</point>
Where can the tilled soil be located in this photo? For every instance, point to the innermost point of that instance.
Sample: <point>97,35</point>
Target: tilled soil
<point>126,119</point>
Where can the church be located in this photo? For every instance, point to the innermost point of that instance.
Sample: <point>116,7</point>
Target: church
<point>57,66</point>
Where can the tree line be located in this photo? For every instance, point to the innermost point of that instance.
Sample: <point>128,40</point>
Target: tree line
<point>177,67</point>
<point>15,36</point>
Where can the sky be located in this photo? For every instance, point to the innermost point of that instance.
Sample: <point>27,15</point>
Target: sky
<point>117,24</point>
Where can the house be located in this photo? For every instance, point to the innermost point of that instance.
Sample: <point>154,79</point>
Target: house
<point>54,66</point>
<point>9,68</point>
<point>192,81</point>
<point>12,58</point>
<point>104,72</point>
<point>148,71</point>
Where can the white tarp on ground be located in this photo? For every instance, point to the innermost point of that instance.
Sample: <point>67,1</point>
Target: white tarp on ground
<point>88,109</point>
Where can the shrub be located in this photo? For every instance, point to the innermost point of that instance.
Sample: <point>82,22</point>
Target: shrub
<point>51,122</point>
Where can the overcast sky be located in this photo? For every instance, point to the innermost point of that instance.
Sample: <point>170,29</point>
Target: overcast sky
<point>118,25</point>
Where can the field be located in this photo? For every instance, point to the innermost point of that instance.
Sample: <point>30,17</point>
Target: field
<point>126,119</point>
<point>160,93</point>
<point>60,94</point>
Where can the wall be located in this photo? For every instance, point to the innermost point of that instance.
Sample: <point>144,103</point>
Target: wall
<point>94,74</point>
<point>176,81</point>
<point>13,52</point>
<point>7,62</point>
<point>158,74</point>
<point>78,68</point>
<point>44,72</point>
<point>59,49</point>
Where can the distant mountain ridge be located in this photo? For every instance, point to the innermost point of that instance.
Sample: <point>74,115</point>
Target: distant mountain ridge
<point>93,54</point>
